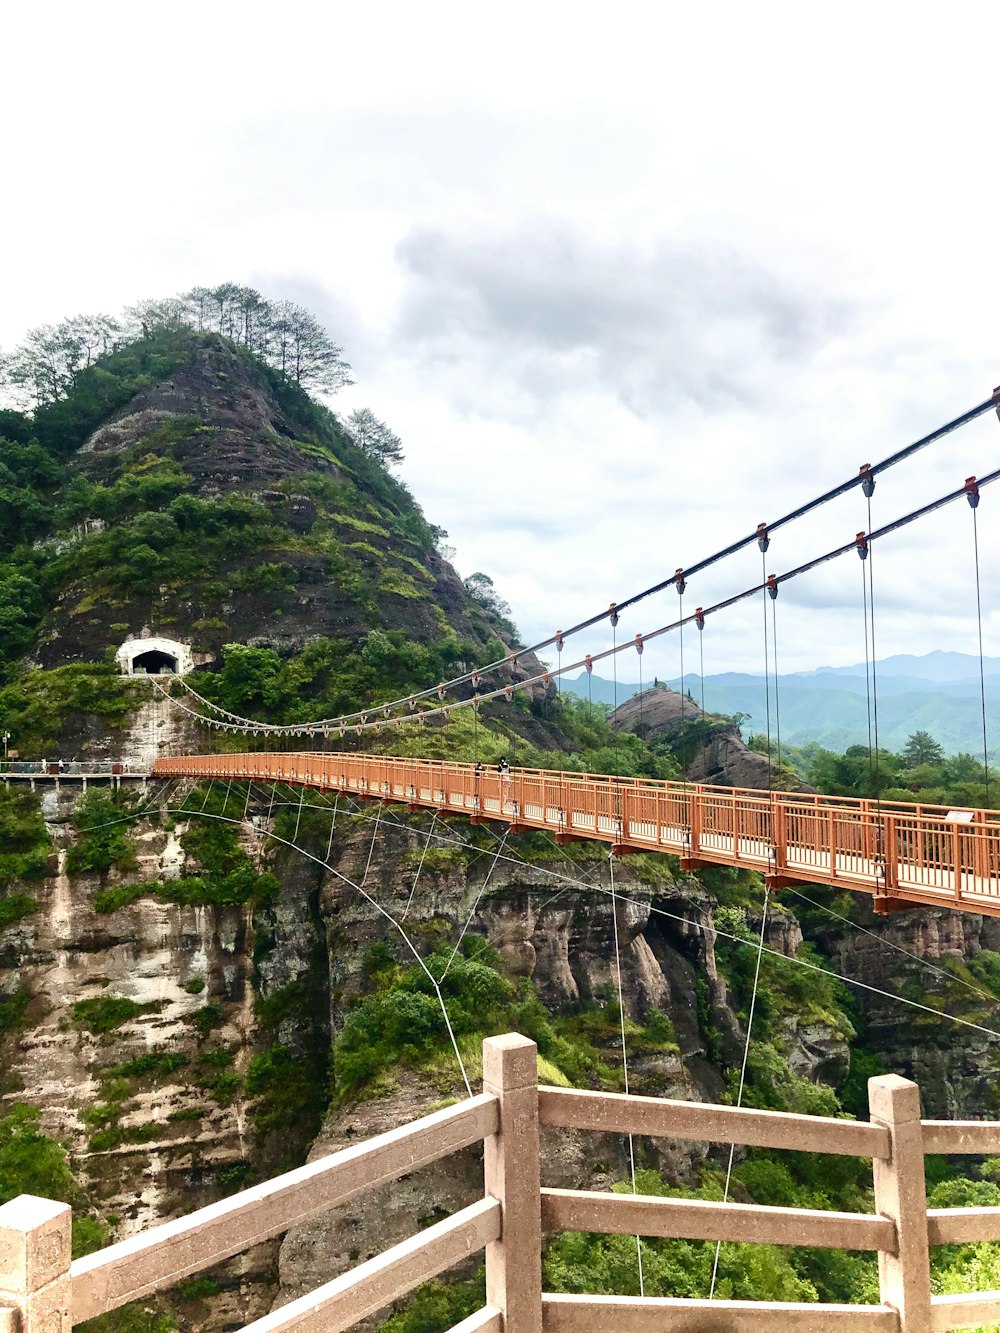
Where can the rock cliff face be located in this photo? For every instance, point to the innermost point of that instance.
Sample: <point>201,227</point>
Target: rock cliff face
<point>155,1101</point>
<point>342,547</point>
<point>181,1048</point>
<point>924,955</point>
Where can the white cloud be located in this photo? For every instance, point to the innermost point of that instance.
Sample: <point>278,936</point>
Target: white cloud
<point>625,286</point>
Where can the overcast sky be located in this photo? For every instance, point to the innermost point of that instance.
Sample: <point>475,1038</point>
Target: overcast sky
<point>627,280</point>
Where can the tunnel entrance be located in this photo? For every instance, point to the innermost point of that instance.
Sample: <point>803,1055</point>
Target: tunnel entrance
<point>154,663</point>
<point>153,656</point>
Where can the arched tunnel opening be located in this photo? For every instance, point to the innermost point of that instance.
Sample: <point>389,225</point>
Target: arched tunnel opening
<point>154,662</point>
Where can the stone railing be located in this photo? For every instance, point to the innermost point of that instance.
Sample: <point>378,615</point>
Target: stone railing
<point>72,768</point>
<point>41,1291</point>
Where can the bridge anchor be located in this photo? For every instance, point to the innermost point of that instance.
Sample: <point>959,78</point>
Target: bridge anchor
<point>778,881</point>
<point>884,904</point>
<point>689,863</point>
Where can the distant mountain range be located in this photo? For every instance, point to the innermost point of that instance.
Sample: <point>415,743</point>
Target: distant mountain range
<point>937,693</point>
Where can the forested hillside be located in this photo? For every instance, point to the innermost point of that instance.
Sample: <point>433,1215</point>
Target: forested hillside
<point>188,1005</point>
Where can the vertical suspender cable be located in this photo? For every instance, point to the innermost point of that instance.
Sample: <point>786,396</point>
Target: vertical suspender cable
<point>868,680</point>
<point>638,651</point>
<point>764,541</point>
<point>871,606</point>
<point>614,660</point>
<point>701,656</point>
<point>773,590</point>
<point>972,495</point>
<point>621,1017</point>
<point>743,1075</point>
<point>680,589</point>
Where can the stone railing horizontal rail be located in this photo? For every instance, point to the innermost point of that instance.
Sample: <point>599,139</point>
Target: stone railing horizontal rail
<point>899,853</point>
<point>71,768</point>
<point>41,1291</point>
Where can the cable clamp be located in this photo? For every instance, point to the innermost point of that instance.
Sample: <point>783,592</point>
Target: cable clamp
<point>772,587</point>
<point>613,614</point>
<point>638,644</point>
<point>867,479</point>
<point>763,540</point>
<point>972,492</point>
<point>861,542</point>
<point>559,640</point>
<point>699,618</point>
<point>680,581</point>
<point>588,664</point>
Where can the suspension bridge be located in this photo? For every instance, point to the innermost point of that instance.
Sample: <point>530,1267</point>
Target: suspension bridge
<point>902,854</point>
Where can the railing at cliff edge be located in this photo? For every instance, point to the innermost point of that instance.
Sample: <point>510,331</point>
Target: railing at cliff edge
<point>41,1291</point>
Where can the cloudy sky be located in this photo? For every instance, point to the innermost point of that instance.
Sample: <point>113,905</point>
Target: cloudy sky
<point>626,280</point>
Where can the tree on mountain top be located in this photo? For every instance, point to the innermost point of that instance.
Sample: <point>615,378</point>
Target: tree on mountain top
<point>46,367</point>
<point>374,437</point>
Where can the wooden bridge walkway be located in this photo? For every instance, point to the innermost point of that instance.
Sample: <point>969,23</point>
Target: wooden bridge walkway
<point>902,854</point>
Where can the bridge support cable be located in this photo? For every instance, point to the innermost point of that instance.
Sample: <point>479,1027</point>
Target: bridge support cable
<point>868,678</point>
<point>860,545</point>
<point>772,590</point>
<point>568,882</point>
<point>613,617</point>
<point>475,906</point>
<point>382,911</point>
<point>371,849</point>
<point>801,511</point>
<point>743,1076</point>
<point>972,494</point>
<point>621,1021</point>
<point>572,881</point>
<point>638,653</point>
<point>420,865</point>
<point>885,942</point>
<point>333,826</point>
<point>868,489</point>
<point>764,541</point>
<point>699,620</point>
<point>681,584</point>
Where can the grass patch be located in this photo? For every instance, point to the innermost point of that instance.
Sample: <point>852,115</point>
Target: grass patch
<point>107,1012</point>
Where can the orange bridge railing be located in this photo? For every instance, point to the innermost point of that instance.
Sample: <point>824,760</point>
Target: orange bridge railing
<point>902,854</point>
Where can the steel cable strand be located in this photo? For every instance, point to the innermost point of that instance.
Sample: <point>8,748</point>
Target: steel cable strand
<point>886,943</point>
<point>286,842</point>
<point>808,507</point>
<point>621,1020</point>
<point>743,1078</point>
<point>570,881</point>
<point>588,661</point>
<point>979,624</point>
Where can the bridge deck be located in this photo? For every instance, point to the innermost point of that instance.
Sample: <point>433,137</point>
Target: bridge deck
<point>899,853</point>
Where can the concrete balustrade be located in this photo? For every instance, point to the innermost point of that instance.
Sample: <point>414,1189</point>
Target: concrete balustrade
<point>41,1292</point>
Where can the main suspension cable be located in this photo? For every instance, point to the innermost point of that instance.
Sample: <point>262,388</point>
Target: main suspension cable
<point>249,725</point>
<point>511,656</point>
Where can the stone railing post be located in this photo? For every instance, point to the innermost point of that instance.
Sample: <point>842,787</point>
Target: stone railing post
<point>514,1262</point>
<point>900,1193</point>
<point>34,1263</point>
